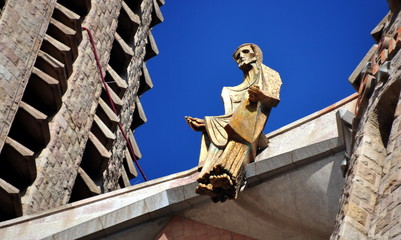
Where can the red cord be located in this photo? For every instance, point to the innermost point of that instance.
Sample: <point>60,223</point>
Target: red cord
<point>106,87</point>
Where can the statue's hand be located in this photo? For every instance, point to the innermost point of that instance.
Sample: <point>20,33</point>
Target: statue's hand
<point>196,124</point>
<point>255,94</point>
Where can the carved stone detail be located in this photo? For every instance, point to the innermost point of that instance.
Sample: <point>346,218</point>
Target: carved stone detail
<point>230,141</point>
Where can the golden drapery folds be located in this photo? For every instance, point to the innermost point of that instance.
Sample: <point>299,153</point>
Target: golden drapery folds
<point>231,141</point>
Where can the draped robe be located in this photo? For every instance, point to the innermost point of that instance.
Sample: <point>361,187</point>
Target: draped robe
<point>232,140</point>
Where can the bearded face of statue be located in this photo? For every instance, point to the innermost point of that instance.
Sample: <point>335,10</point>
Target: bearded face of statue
<point>245,56</point>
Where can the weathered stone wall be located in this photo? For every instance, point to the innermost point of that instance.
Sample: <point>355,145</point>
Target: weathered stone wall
<point>22,27</point>
<point>81,152</point>
<point>369,207</point>
<point>58,163</point>
<point>385,222</point>
<point>135,71</point>
<point>184,228</point>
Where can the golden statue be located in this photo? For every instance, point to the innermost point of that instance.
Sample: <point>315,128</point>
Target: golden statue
<point>232,140</point>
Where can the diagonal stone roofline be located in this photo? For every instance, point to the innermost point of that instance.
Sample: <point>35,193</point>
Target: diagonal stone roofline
<point>146,203</point>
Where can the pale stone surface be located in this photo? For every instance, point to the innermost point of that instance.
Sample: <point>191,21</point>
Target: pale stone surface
<point>307,214</point>
<point>95,214</point>
<point>283,200</point>
<point>298,204</point>
<point>305,129</point>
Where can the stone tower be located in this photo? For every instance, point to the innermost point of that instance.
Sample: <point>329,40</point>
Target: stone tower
<point>59,135</point>
<point>370,203</point>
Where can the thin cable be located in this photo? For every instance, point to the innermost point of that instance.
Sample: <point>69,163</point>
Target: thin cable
<point>106,87</point>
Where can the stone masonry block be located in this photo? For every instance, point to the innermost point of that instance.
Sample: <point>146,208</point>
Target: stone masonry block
<point>349,232</point>
<point>357,213</point>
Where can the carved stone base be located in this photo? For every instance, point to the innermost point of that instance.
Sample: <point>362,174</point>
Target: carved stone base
<point>224,178</point>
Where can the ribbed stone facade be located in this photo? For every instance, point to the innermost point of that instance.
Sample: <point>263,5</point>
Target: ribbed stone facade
<point>59,137</point>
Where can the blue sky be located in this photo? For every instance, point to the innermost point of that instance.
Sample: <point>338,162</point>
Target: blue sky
<point>314,46</point>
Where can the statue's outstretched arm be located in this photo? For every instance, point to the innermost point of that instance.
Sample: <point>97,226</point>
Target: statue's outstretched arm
<point>196,124</point>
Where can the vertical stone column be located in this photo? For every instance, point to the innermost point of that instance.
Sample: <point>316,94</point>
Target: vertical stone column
<point>23,25</point>
<point>59,140</point>
<point>368,206</point>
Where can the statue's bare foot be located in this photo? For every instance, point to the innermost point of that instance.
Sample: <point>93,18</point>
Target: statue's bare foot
<point>221,181</point>
<point>204,189</point>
